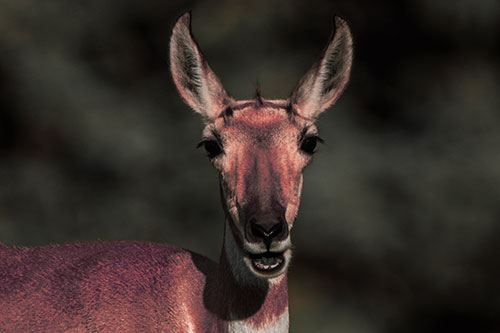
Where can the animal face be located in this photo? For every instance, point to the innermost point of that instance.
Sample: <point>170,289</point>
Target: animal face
<point>260,147</point>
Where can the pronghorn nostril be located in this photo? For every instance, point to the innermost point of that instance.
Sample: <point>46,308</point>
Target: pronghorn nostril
<point>266,231</point>
<point>276,229</point>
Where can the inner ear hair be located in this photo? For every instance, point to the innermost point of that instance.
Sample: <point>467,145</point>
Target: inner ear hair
<point>325,81</point>
<point>196,82</point>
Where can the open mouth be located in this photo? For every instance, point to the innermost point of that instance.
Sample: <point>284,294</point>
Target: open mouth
<point>268,262</point>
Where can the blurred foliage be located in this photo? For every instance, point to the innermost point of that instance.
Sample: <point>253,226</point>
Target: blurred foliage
<point>399,225</point>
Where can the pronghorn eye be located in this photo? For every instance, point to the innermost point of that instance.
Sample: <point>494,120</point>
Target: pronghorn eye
<point>212,147</point>
<point>309,143</point>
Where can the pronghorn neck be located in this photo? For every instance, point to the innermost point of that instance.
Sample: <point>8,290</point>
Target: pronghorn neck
<point>247,302</point>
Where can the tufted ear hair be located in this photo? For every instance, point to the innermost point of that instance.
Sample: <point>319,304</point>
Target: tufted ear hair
<point>195,81</point>
<point>325,81</point>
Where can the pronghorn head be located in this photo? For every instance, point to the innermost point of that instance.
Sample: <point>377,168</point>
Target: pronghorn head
<point>260,147</point>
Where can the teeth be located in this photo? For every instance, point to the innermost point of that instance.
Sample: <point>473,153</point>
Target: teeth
<point>267,263</point>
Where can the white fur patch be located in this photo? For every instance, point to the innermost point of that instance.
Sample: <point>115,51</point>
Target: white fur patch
<point>279,325</point>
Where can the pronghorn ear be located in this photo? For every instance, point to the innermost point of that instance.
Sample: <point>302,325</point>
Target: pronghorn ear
<point>326,80</point>
<point>196,82</point>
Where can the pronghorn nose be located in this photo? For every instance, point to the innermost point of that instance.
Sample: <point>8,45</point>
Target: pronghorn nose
<point>266,230</point>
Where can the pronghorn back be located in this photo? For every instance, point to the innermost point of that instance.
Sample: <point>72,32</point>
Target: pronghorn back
<point>100,286</point>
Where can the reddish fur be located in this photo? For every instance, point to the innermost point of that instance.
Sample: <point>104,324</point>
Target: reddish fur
<point>122,286</point>
<point>265,166</point>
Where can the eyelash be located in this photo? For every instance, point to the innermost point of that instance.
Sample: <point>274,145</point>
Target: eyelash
<point>212,147</point>
<point>309,143</point>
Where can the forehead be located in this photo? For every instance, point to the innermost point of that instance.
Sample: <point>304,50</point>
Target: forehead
<point>258,119</point>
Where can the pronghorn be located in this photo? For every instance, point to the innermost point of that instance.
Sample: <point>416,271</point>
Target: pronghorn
<point>260,148</point>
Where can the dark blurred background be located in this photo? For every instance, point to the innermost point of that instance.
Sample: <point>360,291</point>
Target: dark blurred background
<point>399,225</point>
